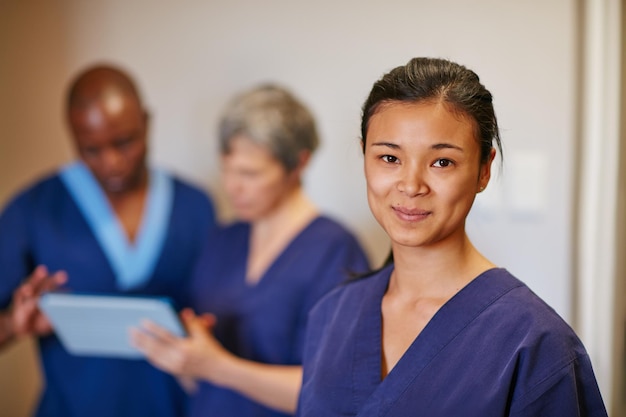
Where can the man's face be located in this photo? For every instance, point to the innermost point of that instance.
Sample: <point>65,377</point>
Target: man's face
<point>111,138</point>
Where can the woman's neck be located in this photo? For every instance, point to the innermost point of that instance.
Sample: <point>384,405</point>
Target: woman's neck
<point>439,271</point>
<point>296,209</point>
<point>271,235</point>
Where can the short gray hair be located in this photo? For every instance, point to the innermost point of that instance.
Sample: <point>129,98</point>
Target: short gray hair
<point>272,117</point>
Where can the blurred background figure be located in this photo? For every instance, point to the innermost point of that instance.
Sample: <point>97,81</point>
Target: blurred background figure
<point>260,276</point>
<point>108,224</point>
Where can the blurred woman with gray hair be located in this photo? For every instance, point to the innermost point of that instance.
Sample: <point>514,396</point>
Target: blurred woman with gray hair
<point>260,276</point>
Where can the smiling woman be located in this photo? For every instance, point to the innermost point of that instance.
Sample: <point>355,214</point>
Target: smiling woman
<point>441,331</point>
<point>423,169</point>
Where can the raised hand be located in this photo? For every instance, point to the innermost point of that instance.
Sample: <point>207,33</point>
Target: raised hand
<point>24,316</point>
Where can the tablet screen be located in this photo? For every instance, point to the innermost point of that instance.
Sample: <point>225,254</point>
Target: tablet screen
<point>99,325</point>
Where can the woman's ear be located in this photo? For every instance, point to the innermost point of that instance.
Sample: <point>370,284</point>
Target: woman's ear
<point>303,161</point>
<point>485,171</point>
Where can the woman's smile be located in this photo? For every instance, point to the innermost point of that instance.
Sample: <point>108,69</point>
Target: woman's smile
<point>411,214</point>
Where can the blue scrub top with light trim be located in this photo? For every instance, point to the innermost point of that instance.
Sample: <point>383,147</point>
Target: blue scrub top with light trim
<point>44,225</point>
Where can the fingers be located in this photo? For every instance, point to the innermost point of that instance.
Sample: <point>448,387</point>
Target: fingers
<point>37,283</point>
<point>56,280</point>
<point>182,356</point>
<point>41,281</point>
<point>41,271</point>
<point>25,314</point>
<point>209,320</point>
<point>194,324</point>
<point>162,352</point>
<point>30,285</point>
<point>206,321</point>
<point>152,347</point>
<point>154,341</point>
<point>25,317</point>
<point>142,340</point>
<point>157,332</point>
<point>48,282</point>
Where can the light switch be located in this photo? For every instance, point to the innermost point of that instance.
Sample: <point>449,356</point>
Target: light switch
<point>528,181</point>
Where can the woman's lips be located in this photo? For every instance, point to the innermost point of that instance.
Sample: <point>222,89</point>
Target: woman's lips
<point>410,214</point>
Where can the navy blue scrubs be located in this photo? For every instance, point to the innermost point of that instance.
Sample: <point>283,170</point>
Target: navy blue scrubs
<point>266,322</point>
<point>494,349</point>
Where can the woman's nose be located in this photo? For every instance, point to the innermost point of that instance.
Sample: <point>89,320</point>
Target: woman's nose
<point>412,182</point>
<point>230,182</point>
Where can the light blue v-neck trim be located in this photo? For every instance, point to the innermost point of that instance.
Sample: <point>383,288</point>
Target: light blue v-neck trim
<point>133,264</point>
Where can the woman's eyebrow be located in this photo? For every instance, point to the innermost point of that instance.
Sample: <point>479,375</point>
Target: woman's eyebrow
<point>435,146</point>
<point>387,145</point>
<point>446,146</point>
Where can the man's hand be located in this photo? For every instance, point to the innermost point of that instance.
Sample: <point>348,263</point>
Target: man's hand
<point>23,316</point>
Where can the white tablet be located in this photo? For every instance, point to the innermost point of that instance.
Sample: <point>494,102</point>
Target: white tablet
<point>99,325</point>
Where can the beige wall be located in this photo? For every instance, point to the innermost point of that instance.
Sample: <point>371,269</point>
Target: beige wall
<point>33,51</point>
<point>192,58</point>
<point>33,48</point>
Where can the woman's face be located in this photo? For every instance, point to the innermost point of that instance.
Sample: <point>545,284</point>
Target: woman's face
<point>256,183</point>
<point>423,170</point>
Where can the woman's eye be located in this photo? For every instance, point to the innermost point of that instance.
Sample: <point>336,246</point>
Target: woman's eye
<point>442,163</point>
<point>390,159</point>
<point>249,173</point>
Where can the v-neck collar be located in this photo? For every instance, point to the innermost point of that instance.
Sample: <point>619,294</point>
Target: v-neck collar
<point>278,259</point>
<point>133,264</point>
<point>457,313</point>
